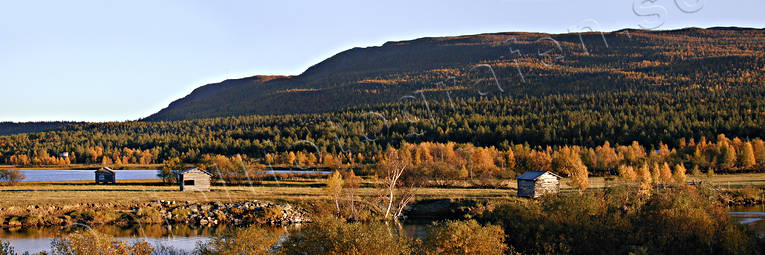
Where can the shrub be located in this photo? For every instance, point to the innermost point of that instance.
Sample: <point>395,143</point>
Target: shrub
<point>463,237</point>
<point>621,220</point>
<point>32,220</point>
<point>149,215</point>
<point>745,194</point>
<point>333,236</point>
<point>181,214</point>
<point>6,248</point>
<point>83,216</point>
<point>162,249</point>
<point>106,216</point>
<point>252,240</point>
<point>686,222</point>
<point>273,213</point>
<point>14,221</point>
<point>11,177</point>
<point>95,243</point>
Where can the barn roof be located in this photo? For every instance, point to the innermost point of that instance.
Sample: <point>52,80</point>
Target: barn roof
<point>533,175</point>
<point>105,169</point>
<point>195,168</point>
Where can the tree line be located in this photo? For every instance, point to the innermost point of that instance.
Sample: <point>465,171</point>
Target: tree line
<point>357,135</point>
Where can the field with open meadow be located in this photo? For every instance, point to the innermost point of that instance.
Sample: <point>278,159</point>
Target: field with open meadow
<point>131,191</point>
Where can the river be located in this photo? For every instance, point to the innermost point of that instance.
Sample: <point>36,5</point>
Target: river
<point>186,238</point>
<point>751,216</point>
<point>51,175</point>
<point>181,237</point>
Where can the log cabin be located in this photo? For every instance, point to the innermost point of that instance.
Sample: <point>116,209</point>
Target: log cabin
<point>195,179</point>
<point>534,184</point>
<point>105,175</point>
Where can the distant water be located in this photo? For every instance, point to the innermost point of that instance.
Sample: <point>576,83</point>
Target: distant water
<point>84,175</point>
<point>38,245</point>
<point>47,175</point>
<point>180,237</point>
<point>185,238</point>
<point>752,216</point>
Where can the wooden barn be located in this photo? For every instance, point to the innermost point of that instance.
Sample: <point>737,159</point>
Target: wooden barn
<point>105,175</point>
<point>195,179</point>
<point>534,184</point>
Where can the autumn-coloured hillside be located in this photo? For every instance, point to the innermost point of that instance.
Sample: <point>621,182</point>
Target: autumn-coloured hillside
<point>525,64</point>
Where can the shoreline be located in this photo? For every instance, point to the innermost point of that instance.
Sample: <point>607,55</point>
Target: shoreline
<point>206,214</point>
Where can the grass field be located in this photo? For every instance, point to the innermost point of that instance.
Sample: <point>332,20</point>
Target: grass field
<point>62,193</point>
<point>140,191</point>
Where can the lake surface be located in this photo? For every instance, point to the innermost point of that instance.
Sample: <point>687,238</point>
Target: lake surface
<point>83,175</point>
<point>48,175</point>
<point>179,237</point>
<point>751,216</point>
<point>186,238</point>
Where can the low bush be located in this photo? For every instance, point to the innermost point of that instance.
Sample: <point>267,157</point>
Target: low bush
<point>95,243</point>
<point>6,248</point>
<point>10,177</point>
<point>333,236</point>
<point>83,216</point>
<point>161,249</point>
<point>624,220</point>
<point>14,221</point>
<point>90,216</point>
<point>463,237</point>
<point>252,240</point>
<point>32,220</point>
<point>745,195</point>
<point>272,213</point>
<point>181,214</point>
<point>149,215</point>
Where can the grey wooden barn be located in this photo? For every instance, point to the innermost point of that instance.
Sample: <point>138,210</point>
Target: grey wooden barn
<point>195,179</point>
<point>105,175</point>
<point>534,184</point>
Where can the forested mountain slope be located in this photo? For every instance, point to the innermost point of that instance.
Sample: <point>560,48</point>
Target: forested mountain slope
<point>10,128</point>
<point>525,65</point>
<point>650,89</point>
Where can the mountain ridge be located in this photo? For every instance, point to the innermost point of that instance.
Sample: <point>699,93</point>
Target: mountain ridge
<point>380,74</point>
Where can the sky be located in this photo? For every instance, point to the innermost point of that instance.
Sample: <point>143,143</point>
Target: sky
<point>123,60</point>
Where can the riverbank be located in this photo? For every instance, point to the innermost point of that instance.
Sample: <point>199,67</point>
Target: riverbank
<point>157,212</point>
<point>31,203</point>
<point>615,219</point>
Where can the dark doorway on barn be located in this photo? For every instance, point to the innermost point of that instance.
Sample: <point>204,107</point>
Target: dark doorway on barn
<point>195,179</point>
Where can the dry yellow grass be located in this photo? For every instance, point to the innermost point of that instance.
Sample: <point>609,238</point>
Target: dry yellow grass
<point>141,191</point>
<point>63,193</point>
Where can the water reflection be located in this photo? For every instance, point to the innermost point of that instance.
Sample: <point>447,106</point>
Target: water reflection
<point>181,237</point>
<point>116,231</point>
<point>751,216</point>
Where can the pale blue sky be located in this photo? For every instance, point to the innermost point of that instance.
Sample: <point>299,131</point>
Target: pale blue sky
<point>123,60</point>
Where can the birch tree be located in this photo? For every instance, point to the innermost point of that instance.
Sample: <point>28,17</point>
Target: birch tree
<point>391,169</point>
<point>335,187</point>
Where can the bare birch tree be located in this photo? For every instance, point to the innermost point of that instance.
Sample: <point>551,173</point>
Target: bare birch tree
<point>335,187</point>
<point>391,169</point>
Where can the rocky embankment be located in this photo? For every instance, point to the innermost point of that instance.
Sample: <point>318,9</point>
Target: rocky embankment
<point>157,212</point>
